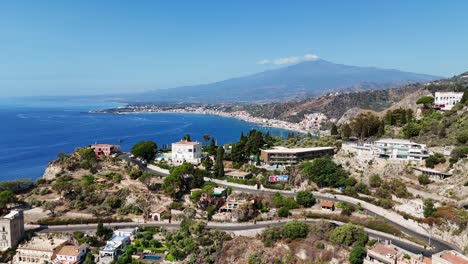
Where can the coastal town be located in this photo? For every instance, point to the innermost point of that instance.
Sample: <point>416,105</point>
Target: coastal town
<point>377,199</point>
<point>234,132</point>
<point>312,123</point>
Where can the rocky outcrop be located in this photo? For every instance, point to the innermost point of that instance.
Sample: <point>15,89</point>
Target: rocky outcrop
<point>52,171</point>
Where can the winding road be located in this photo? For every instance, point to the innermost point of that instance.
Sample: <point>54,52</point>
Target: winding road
<point>436,244</point>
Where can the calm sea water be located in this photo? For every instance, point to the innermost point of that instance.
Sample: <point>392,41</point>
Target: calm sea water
<point>32,132</point>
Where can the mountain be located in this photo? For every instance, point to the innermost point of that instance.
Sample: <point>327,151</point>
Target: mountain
<point>305,79</point>
<point>348,105</point>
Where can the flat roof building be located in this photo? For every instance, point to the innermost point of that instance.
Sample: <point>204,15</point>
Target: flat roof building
<point>113,248</point>
<point>446,100</point>
<point>11,229</point>
<point>291,156</point>
<point>449,257</point>
<point>400,149</point>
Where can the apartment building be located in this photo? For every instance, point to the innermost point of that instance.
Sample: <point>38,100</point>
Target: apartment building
<point>40,249</point>
<point>446,100</point>
<point>291,156</point>
<point>449,257</point>
<point>400,149</point>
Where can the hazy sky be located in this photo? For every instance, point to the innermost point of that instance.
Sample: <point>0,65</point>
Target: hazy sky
<point>96,47</point>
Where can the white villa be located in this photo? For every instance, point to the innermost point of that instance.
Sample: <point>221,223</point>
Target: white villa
<point>446,100</point>
<point>400,149</point>
<point>70,254</point>
<point>116,245</point>
<point>186,151</point>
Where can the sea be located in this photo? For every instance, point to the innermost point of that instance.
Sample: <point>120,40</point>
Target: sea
<point>34,130</point>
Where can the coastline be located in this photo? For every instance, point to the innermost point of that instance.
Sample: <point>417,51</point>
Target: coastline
<point>239,115</point>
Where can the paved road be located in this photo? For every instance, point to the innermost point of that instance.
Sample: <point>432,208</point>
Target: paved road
<point>126,157</point>
<point>405,244</point>
<point>435,243</point>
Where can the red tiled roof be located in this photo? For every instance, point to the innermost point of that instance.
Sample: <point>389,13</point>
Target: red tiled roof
<point>326,204</point>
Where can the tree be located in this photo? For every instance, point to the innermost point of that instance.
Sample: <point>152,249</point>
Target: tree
<point>435,159</point>
<point>207,163</point>
<point>324,172</point>
<point>381,131</point>
<point>187,137</point>
<point>462,137</point>
<point>179,180</point>
<point>7,197</point>
<point>206,137</point>
<point>365,125</point>
<point>426,101</point>
<point>145,150</point>
<point>212,147</point>
<point>357,254</point>
<point>51,206</point>
<point>294,229</point>
<point>458,153</point>
<point>411,129</point>
<point>429,208</point>
<point>305,198</point>
<point>103,232</point>
<point>348,234</point>
<point>219,166</point>
<point>334,130</point>
<point>346,131</point>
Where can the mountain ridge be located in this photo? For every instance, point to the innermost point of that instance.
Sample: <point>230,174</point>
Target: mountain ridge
<point>301,80</point>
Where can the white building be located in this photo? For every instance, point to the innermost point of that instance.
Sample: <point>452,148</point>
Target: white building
<point>446,100</point>
<point>400,149</point>
<point>186,151</point>
<point>11,229</point>
<point>40,249</point>
<point>116,245</point>
<point>70,254</point>
<point>130,232</point>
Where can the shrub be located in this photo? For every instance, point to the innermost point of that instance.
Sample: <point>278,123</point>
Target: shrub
<point>305,198</point>
<point>283,212</point>
<point>348,234</point>
<point>357,254</point>
<point>424,179</point>
<point>294,229</point>
<point>375,181</point>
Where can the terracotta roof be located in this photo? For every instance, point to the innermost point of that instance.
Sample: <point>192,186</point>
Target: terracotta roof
<point>102,145</point>
<point>326,203</point>
<point>69,250</point>
<point>385,250</point>
<point>454,257</point>
<point>186,142</point>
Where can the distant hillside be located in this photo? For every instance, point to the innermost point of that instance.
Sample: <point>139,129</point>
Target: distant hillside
<point>302,80</point>
<point>351,104</point>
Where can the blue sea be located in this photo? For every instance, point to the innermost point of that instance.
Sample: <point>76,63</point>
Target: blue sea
<point>33,131</point>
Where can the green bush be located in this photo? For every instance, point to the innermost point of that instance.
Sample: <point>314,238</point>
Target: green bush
<point>357,254</point>
<point>424,179</point>
<point>348,234</point>
<point>294,229</point>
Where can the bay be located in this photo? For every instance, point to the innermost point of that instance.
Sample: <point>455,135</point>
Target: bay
<point>33,131</point>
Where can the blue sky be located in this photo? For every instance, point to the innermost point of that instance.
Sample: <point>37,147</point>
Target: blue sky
<point>98,47</point>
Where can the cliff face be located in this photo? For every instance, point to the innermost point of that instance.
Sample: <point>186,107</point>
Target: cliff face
<point>52,170</point>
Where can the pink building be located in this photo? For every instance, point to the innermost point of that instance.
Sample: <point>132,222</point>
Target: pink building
<point>104,150</point>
